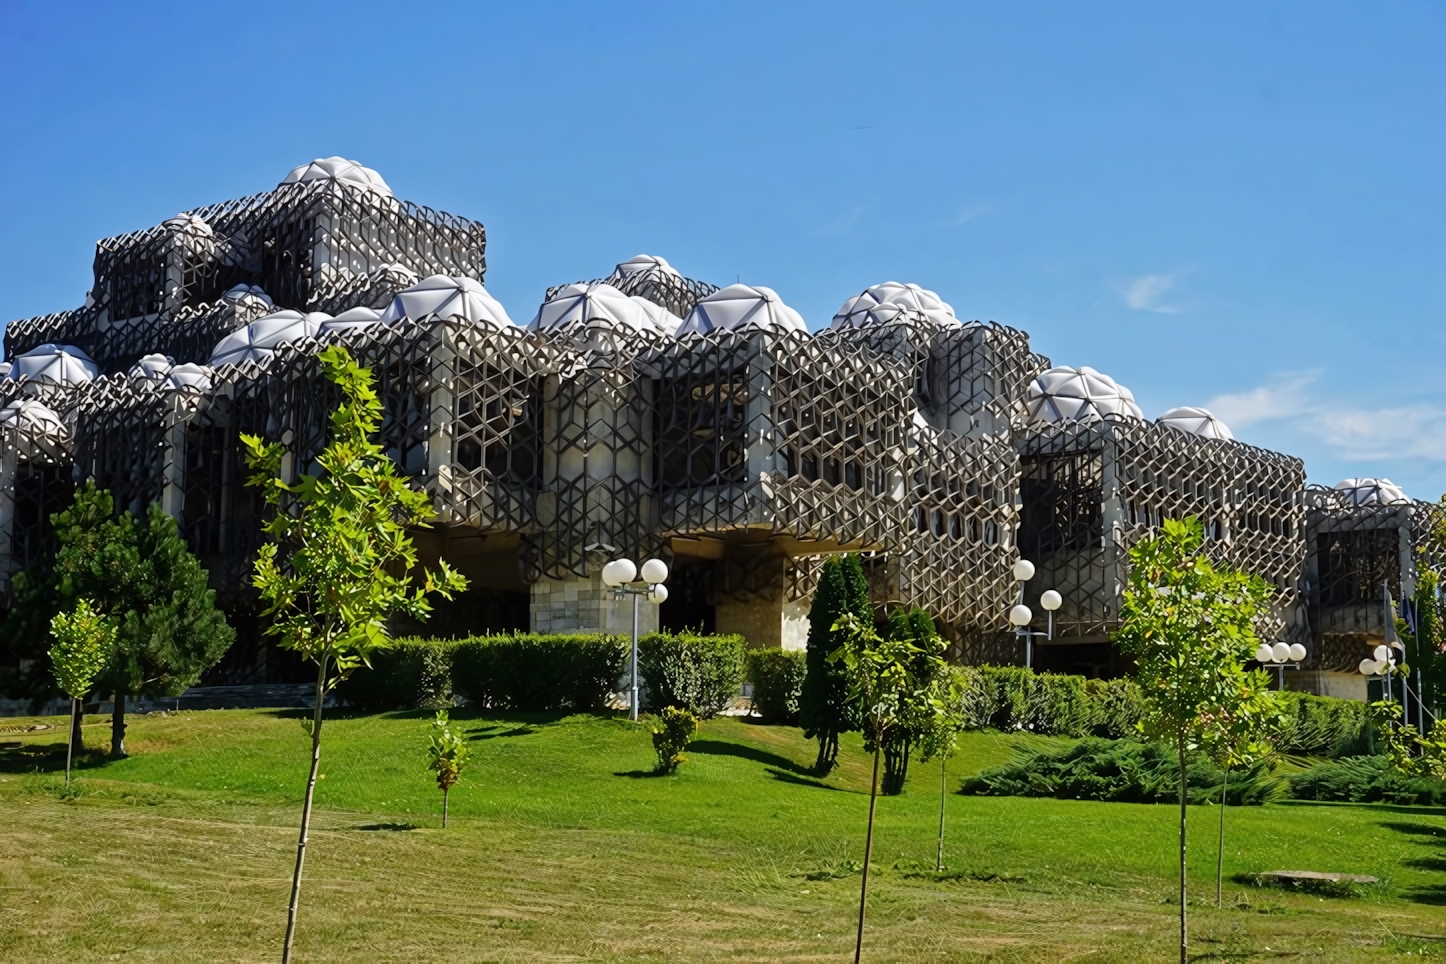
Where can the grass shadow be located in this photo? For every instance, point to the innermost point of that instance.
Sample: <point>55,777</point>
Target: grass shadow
<point>793,778</point>
<point>641,774</point>
<point>1415,829</point>
<point>723,748</point>
<point>1434,895</point>
<point>390,827</point>
<point>483,732</point>
<point>1412,809</point>
<point>17,757</point>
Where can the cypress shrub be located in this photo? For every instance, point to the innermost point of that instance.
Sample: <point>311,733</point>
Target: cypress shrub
<point>535,672</point>
<point>1364,779</point>
<point>691,671</point>
<point>777,679</point>
<point>824,707</point>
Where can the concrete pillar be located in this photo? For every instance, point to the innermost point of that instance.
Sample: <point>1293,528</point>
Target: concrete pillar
<point>777,623</point>
<point>581,604</point>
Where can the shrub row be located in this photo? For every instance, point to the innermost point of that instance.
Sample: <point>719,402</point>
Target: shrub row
<point>777,679</point>
<point>1010,698</point>
<point>1325,726</point>
<point>535,672</point>
<point>1124,771</point>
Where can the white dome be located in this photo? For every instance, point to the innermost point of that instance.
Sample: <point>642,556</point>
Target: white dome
<point>65,364</point>
<point>884,303</point>
<point>165,373</point>
<point>1371,491</point>
<point>642,263</point>
<point>244,293</point>
<point>742,306</point>
<point>339,169</point>
<point>30,414</point>
<point>351,319</point>
<point>603,305</point>
<point>1078,395</point>
<point>446,297</point>
<point>5,369</point>
<point>154,367</point>
<point>189,223</point>
<point>259,339</point>
<point>1196,421</point>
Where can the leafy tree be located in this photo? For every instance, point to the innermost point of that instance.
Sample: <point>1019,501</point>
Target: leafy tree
<point>1424,639</point>
<point>824,707</point>
<point>447,753</point>
<point>897,683</point>
<point>1190,630</point>
<point>84,644</point>
<point>913,625</point>
<point>941,739</point>
<point>138,573</point>
<point>339,561</point>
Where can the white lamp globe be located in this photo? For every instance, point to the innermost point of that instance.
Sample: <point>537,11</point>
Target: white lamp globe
<point>1280,652</point>
<point>655,571</point>
<point>1367,667</point>
<point>1050,600</point>
<point>1023,571</point>
<point>658,594</point>
<point>1382,654</point>
<point>619,572</point>
<point>1297,653</point>
<point>1020,615</point>
<point>1264,654</point>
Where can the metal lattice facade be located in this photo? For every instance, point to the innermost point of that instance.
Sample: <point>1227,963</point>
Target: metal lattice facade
<point>646,414</point>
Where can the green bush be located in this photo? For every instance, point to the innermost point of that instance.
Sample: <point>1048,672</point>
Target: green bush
<point>1010,698</point>
<point>538,672</point>
<point>1364,779</point>
<point>407,674</point>
<point>777,679</point>
<point>673,730</point>
<point>1117,707</point>
<point>692,671</point>
<point>1324,726</point>
<point>1124,771</point>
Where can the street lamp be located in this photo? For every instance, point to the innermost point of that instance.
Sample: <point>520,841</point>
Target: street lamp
<point>1020,615</point>
<point>622,576</point>
<point>1380,663</point>
<point>1279,656</point>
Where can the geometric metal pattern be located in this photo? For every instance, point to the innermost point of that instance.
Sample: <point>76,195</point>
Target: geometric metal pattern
<point>647,414</point>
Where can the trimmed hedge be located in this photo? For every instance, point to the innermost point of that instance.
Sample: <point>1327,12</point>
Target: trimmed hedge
<point>407,674</point>
<point>1012,698</point>
<point>691,671</point>
<point>538,672</point>
<point>1325,726</point>
<point>777,679</point>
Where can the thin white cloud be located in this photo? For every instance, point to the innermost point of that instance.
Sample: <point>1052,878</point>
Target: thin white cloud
<point>1285,397</point>
<point>1145,292</point>
<point>844,222</point>
<point>1350,433</point>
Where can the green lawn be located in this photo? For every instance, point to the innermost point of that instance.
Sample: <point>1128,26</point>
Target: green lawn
<point>562,849</point>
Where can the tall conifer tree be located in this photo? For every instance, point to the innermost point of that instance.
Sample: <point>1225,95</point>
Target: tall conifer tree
<point>824,707</point>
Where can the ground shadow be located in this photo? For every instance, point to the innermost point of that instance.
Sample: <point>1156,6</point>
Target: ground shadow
<point>796,780</point>
<point>1437,864</point>
<point>640,774</point>
<point>1416,829</point>
<point>30,757</point>
<point>485,732</point>
<point>1412,809</point>
<point>722,748</point>
<point>1434,895</point>
<point>390,827</point>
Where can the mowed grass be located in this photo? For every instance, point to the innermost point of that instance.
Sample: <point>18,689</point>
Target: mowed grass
<point>563,848</point>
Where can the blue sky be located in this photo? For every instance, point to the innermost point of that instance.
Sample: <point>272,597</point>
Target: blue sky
<point>1237,205</point>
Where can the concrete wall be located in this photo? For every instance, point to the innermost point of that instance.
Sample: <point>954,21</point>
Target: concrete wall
<point>584,604</point>
<point>766,623</point>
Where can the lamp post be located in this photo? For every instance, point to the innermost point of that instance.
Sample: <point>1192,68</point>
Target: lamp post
<point>1020,615</point>
<point>1380,663</point>
<point>1280,655</point>
<point>622,576</point>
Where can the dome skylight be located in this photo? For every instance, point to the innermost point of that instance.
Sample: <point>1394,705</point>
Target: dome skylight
<point>1196,421</point>
<point>64,364</point>
<point>1078,395</point>
<point>339,169</point>
<point>743,306</point>
<point>601,304</point>
<point>258,340</point>
<point>446,297</point>
<point>1372,492</point>
<point>32,415</point>
<point>884,303</point>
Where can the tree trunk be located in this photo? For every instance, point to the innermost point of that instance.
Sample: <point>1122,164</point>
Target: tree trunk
<point>444,808</point>
<point>943,794</point>
<point>1220,856</point>
<point>77,716</point>
<point>1184,934</point>
<point>118,726</point>
<point>827,753</point>
<point>70,744</point>
<point>896,762</point>
<point>305,812</point>
<point>868,851</point>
